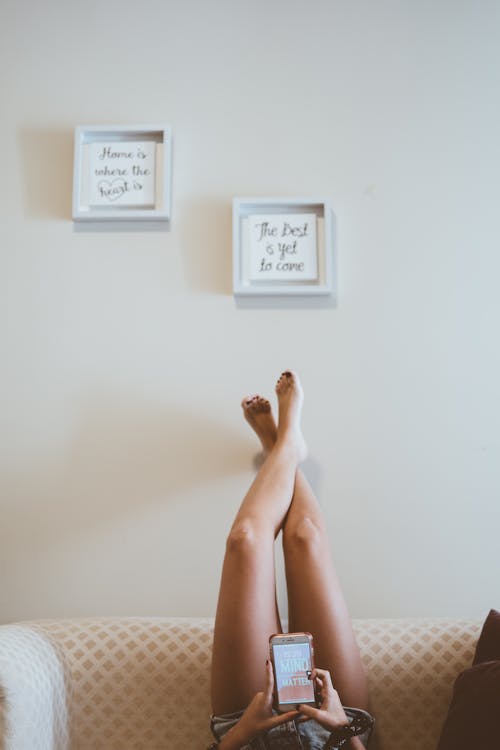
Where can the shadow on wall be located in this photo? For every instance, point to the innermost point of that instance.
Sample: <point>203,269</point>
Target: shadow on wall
<point>120,458</point>
<point>202,225</point>
<point>47,164</point>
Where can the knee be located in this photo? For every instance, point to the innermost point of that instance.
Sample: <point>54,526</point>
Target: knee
<point>243,538</point>
<point>304,535</point>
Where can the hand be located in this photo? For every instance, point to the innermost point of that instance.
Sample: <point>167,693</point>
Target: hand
<point>330,715</point>
<point>257,718</point>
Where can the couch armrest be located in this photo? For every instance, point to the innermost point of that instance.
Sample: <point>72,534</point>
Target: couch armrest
<point>34,705</point>
<point>133,682</point>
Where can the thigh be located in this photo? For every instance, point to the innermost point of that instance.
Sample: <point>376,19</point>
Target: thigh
<point>246,617</point>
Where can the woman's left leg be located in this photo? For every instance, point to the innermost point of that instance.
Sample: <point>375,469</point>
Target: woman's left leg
<point>246,610</point>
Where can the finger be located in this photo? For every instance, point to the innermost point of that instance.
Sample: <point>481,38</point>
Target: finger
<point>268,691</point>
<point>308,711</point>
<point>325,681</point>
<point>319,681</point>
<point>324,675</point>
<point>275,721</point>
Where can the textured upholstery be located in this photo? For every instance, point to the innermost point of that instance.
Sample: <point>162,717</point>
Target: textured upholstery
<point>411,666</point>
<point>131,683</point>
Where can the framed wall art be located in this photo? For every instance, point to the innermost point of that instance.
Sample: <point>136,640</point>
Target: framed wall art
<point>122,173</point>
<point>282,247</point>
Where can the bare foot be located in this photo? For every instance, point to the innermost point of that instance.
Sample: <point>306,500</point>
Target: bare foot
<point>257,412</point>
<point>290,399</point>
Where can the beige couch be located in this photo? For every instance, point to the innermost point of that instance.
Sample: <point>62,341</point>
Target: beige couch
<point>135,683</point>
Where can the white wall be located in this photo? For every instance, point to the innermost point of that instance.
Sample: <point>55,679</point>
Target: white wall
<point>124,452</point>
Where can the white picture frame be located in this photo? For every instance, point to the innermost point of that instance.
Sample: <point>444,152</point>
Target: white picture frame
<point>288,223</point>
<point>122,173</point>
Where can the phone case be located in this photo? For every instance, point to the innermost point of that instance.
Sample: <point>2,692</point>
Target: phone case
<point>292,683</point>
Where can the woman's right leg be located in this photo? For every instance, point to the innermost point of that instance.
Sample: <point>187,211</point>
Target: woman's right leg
<point>246,610</point>
<point>315,599</point>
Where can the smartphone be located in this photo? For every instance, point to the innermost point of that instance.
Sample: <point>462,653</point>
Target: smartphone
<point>292,657</point>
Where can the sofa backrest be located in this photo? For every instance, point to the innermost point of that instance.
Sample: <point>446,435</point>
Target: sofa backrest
<point>144,682</point>
<point>411,666</point>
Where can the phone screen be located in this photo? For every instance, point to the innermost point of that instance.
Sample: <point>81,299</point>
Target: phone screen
<point>292,664</point>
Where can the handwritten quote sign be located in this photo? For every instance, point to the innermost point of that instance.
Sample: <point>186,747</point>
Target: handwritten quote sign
<point>122,173</point>
<point>283,247</point>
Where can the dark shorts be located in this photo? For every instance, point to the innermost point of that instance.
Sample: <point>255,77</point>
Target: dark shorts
<point>290,736</point>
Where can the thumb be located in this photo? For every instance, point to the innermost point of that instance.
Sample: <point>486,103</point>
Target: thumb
<point>308,711</point>
<point>275,721</point>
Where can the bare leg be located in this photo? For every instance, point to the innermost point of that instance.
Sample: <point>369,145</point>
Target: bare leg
<point>246,611</point>
<point>316,601</point>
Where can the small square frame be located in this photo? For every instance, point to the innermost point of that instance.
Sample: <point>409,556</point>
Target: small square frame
<point>161,135</point>
<point>243,285</point>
